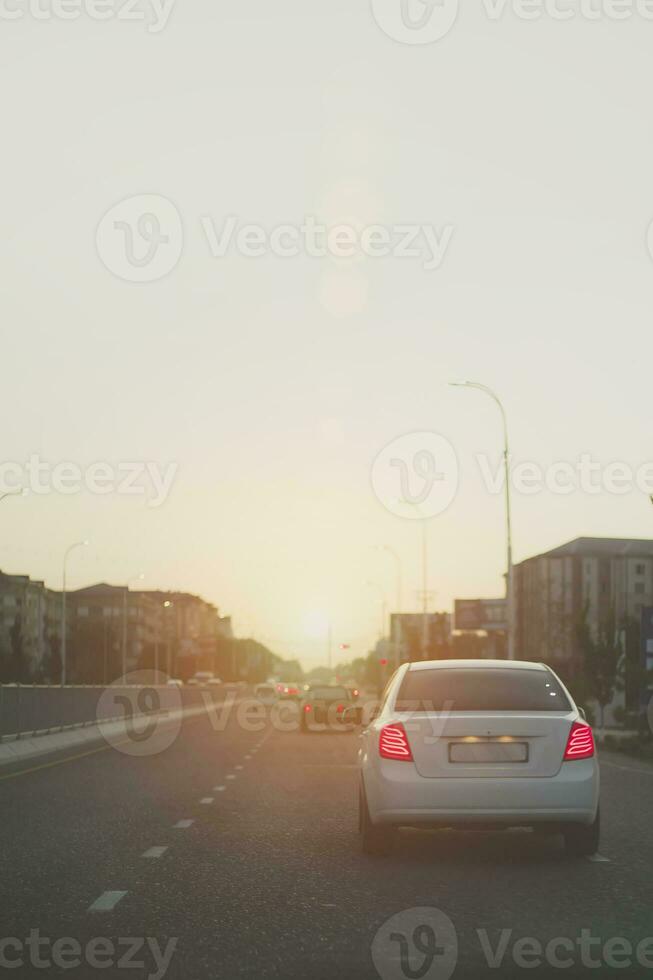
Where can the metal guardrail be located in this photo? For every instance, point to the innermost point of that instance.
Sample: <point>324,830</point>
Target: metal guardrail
<point>28,710</point>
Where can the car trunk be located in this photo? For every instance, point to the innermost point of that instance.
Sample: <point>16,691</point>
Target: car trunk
<point>323,709</point>
<point>495,745</point>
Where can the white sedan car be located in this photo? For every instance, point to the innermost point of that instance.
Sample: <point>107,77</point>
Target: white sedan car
<point>478,743</point>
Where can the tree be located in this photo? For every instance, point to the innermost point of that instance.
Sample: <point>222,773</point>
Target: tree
<point>601,652</point>
<point>52,661</point>
<point>18,668</point>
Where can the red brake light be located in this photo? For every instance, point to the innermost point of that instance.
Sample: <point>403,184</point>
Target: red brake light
<point>580,744</point>
<point>394,744</point>
<point>308,707</point>
<point>340,709</point>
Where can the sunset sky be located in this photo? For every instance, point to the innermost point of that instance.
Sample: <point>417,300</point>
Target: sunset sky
<point>273,383</point>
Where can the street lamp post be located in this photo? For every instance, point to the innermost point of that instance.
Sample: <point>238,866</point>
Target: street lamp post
<point>159,635</point>
<point>425,576</point>
<point>425,590</point>
<point>383,603</point>
<point>64,646</point>
<point>506,460</point>
<point>398,600</point>
<point>125,593</point>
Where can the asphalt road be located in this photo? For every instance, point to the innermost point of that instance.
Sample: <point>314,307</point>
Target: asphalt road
<point>264,876</point>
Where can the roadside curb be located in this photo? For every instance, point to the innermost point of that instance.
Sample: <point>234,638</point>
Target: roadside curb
<point>24,749</point>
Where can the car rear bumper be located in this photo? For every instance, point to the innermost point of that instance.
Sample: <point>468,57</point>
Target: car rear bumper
<point>397,794</point>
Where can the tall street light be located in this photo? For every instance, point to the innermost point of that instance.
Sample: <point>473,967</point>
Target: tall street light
<point>69,549</point>
<point>384,604</point>
<point>425,575</point>
<point>506,460</point>
<point>399,572</point>
<point>159,635</point>
<point>399,597</point>
<point>137,578</point>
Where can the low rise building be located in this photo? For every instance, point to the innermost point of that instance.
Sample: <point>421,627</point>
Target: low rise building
<point>586,578</point>
<point>30,628</point>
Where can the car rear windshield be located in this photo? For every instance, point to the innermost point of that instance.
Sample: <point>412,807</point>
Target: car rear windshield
<point>476,689</point>
<point>328,694</point>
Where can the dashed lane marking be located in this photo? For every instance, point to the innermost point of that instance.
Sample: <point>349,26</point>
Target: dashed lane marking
<point>107,901</point>
<point>206,800</point>
<point>598,859</point>
<point>183,824</point>
<point>155,852</point>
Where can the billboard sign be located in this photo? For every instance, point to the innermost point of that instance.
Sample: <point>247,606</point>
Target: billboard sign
<point>481,614</point>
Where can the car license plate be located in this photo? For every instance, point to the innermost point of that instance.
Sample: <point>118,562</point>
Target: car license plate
<point>488,752</point>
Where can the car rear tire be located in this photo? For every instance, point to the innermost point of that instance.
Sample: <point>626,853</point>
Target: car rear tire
<point>377,840</point>
<point>582,840</point>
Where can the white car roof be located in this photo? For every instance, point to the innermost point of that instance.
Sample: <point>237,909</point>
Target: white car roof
<point>477,664</point>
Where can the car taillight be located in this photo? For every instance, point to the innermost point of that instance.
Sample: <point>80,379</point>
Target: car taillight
<point>340,709</point>
<point>394,744</point>
<point>308,707</point>
<point>580,744</point>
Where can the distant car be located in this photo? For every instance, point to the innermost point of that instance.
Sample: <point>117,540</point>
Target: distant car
<point>291,691</point>
<point>265,693</point>
<point>174,682</point>
<point>467,743</point>
<point>204,677</point>
<point>214,682</point>
<point>327,708</point>
<point>192,682</point>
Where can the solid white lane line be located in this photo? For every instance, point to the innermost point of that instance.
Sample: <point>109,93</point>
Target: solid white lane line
<point>183,824</point>
<point>219,789</point>
<point>107,901</point>
<point>598,859</point>
<point>206,800</point>
<point>155,852</point>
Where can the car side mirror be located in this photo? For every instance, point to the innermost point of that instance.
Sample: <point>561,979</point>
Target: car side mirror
<point>582,713</point>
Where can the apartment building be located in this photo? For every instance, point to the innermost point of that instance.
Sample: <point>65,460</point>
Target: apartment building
<point>588,576</point>
<point>30,627</point>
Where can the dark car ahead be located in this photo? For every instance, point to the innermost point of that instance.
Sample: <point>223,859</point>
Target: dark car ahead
<point>324,708</point>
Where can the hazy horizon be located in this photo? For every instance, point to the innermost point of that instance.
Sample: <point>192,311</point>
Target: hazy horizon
<point>273,383</point>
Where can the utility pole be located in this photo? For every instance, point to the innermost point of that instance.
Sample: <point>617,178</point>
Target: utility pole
<point>64,637</point>
<point>506,462</point>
